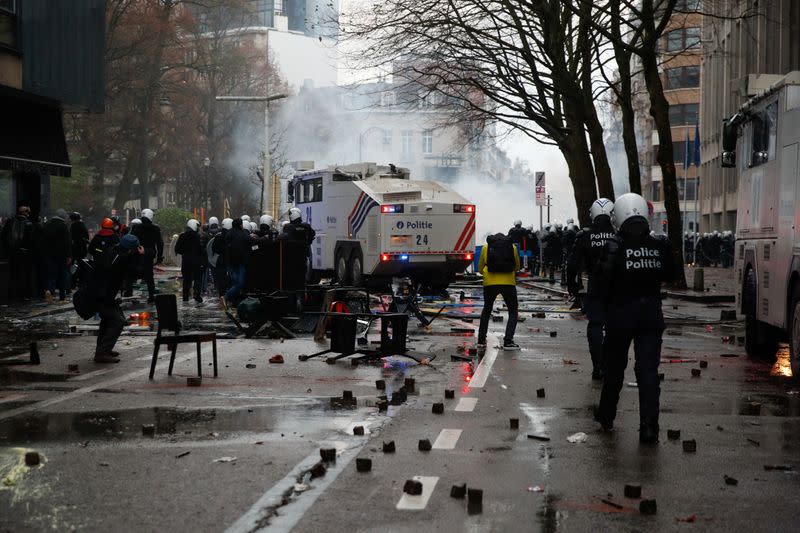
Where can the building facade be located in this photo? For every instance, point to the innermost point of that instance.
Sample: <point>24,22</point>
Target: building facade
<point>747,47</point>
<point>44,71</point>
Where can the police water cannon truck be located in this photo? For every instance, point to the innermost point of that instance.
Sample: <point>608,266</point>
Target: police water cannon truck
<point>375,223</point>
<point>762,141</point>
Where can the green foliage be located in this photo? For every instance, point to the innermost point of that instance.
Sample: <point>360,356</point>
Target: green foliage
<point>76,193</point>
<point>172,220</point>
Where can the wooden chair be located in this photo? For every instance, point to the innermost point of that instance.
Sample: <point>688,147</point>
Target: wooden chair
<point>167,309</point>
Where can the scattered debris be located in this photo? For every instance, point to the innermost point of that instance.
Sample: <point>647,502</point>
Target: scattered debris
<point>690,446</point>
<point>497,318</point>
<point>250,365</point>
<point>380,384</point>
<point>539,437</point>
<point>696,372</point>
<point>703,364</point>
<point>540,393</point>
<point>458,491</point>
<point>409,384</point>
<point>570,362</point>
<point>424,445</point>
<point>779,468</point>
<point>226,459</point>
<point>438,408</point>
<point>363,464</point>
<point>536,488</point>
<point>754,442</point>
<point>32,458</point>
<point>148,430</point>
<point>358,430</point>
<point>474,501</point>
<point>633,490</point>
<point>73,368</point>
<point>751,409</point>
<point>514,423</point>
<point>730,480</point>
<point>318,470</point>
<point>729,355</point>
<point>184,454</point>
<point>578,437</point>
<point>688,519</point>
<point>412,487</point>
<point>612,504</point>
<point>673,434</point>
<point>661,377</point>
<point>328,454</point>
<point>276,359</point>
<point>301,487</point>
<point>648,507</point>
<point>554,334</point>
<point>194,381</point>
<point>388,447</point>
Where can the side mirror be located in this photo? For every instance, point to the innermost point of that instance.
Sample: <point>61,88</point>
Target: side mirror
<point>290,192</point>
<point>728,144</point>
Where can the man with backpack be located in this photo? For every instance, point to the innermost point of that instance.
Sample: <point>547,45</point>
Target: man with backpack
<point>499,263</point>
<point>18,240</point>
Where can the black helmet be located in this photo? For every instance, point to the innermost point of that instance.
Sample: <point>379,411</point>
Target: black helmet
<point>74,216</point>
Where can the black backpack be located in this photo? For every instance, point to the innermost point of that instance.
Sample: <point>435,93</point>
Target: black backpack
<point>500,256</point>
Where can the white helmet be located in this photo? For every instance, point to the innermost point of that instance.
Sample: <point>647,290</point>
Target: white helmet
<point>629,205</point>
<point>136,221</point>
<point>716,232</point>
<point>192,224</point>
<point>570,221</point>
<point>212,221</point>
<point>227,223</point>
<point>284,223</point>
<point>148,214</point>
<point>518,223</point>
<point>253,227</point>
<point>266,220</point>
<point>245,218</point>
<point>601,206</point>
<point>548,227</point>
<point>559,225</point>
<point>294,214</point>
<point>571,226</point>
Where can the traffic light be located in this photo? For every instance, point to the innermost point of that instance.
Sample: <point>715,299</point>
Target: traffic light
<point>664,226</point>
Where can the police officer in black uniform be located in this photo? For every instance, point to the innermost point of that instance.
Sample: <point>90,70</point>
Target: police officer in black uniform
<point>631,271</point>
<point>301,231</point>
<point>552,250</point>
<point>152,242</point>
<point>589,245</point>
<point>567,245</point>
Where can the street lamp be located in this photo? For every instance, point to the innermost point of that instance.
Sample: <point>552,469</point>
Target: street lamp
<point>265,193</point>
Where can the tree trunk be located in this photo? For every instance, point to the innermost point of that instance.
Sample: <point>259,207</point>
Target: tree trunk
<point>602,169</point>
<point>579,163</point>
<point>659,109</point>
<point>631,150</point>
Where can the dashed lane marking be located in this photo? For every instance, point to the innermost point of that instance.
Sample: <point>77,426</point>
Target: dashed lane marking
<point>466,404</point>
<point>484,367</point>
<point>447,439</point>
<point>417,503</point>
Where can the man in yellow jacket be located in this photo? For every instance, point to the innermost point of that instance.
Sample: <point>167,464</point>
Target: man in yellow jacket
<point>498,264</point>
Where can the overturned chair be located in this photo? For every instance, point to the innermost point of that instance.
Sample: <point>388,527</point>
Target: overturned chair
<point>167,309</point>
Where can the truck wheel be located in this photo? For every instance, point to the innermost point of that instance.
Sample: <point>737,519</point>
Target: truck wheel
<point>356,269</point>
<point>794,340</point>
<point>760,340</point>
<point>342,272</point>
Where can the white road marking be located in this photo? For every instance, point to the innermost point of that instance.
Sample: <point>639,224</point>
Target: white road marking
<point>77,393</point>
<point>417,503</point>
<point>466,404</point>
<point>90,375</point>
<point>447,439</point>
<point>484,367</point>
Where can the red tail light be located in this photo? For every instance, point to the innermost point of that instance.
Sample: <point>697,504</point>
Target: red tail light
<point>385,257</point>
<point>468,257</point>
<point>463,208</point>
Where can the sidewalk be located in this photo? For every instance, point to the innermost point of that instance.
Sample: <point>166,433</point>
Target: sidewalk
<point>718,282</point>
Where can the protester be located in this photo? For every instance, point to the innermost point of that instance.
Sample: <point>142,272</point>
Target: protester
<point>18,241</point>
<point>237,248</point>
<point>56,250</point>
<point>150,238</point>
<point>190,248</point>
<point>499,263</point>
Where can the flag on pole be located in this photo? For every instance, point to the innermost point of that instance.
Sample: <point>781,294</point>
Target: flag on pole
<point>697,144</point>
<point>686,156</point>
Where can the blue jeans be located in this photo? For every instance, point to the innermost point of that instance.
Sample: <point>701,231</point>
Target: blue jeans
<point>57,275</point>
<point>236,274</point>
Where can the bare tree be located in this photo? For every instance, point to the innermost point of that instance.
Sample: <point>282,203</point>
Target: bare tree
<point>525,64</point>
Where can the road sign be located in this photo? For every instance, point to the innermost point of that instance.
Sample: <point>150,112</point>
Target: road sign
<point>539,179</point>
<point>541,195</point>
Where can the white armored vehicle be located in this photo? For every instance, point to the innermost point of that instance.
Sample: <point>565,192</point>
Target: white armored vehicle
<point>762,141</point>
<point>373,222</point>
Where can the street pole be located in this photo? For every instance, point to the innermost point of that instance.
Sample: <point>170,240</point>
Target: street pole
<point>267,166</point>
<point>548,208</point>
<point>541,225</point>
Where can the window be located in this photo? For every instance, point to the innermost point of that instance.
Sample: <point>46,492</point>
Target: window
<point>656,191</point>
<point>687,189</point>
<point>687,5</point>
<point>308,191</point>
<point>387,98</point>
<point>406,136</point>
<point>683,77</point>
<point>427,142</point>
<point>683,114</point>
<point>264,11</point>
<point>682,39</point>
<point>764,135</point>
<point>387,140</point>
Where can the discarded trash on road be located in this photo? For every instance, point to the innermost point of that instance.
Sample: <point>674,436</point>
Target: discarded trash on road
<point>577,437</point>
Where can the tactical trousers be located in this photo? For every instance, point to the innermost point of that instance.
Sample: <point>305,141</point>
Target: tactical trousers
<point>596,316</point>
<point>192,278</point>
<point>111,323</point>
<point>509,294</point>
<point>641,322</point>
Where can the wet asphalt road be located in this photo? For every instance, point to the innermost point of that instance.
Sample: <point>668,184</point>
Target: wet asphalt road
<point>252,434</point>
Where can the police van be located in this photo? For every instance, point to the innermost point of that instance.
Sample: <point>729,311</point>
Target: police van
<point>374,222</point>
<point>762,140</point>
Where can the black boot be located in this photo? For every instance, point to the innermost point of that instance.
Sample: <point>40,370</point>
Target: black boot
<point>606,423</point>
<point>648,432</point>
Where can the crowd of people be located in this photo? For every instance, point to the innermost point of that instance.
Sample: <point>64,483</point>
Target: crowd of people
<point>709,249</point>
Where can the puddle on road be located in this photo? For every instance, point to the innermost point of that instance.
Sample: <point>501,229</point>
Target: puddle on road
<point>290,420</point>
